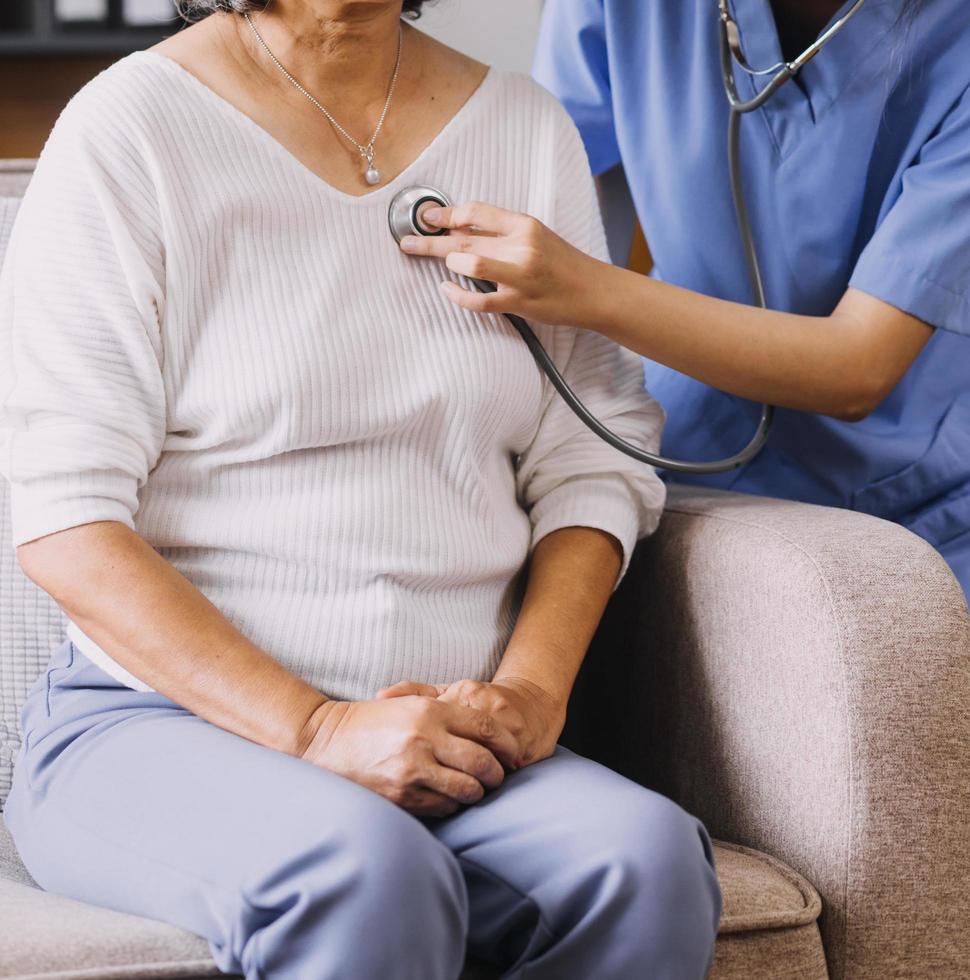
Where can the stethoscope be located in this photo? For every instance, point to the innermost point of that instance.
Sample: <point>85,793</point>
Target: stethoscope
<point>404,218</point>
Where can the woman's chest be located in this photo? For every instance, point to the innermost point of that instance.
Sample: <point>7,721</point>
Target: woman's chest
<point>289,328</point>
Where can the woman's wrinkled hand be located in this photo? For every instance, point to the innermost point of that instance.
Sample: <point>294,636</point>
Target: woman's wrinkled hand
<point>430,756</point>
<point>533,716</point>
<point>539,275</point>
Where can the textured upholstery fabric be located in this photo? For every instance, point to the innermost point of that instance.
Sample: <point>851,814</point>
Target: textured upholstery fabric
<point>769,919</point>
<point>51,936</point>
<point>56,937</point>
<point>771,954</point>
<point>799,677</point>
<point>769,924</point>
<point>30,623</point>
<point>14,177</point>
<point>761,893</point>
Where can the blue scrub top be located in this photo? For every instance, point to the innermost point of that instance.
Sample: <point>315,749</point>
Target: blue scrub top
<point>857,173</point>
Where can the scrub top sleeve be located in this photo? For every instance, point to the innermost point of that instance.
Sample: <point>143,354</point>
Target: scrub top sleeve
<point>919,257</point>
<point>571,62</point>
<point>568,476</point>
<point>82,404</point>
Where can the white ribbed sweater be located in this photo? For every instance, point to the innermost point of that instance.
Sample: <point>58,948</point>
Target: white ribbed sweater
<point>207,342</point>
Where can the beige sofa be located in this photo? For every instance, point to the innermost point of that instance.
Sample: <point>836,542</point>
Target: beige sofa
<point>797,676</point>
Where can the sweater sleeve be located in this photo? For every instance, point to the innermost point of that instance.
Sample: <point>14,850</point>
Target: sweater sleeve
<point>568,476</point>
<point>82,404</point>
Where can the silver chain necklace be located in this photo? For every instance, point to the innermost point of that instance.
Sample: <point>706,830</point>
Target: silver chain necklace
<point>372,175</point>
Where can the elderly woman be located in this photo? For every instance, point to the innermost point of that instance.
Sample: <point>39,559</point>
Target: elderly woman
<point>330,550</point>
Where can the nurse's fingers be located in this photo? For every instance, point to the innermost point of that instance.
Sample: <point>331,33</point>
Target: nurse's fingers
<point>474,301</point>
<point>481,267</point>
<point>441,246</point>
<point>474,214</point>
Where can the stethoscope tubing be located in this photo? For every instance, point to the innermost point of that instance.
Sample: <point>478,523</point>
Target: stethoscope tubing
<point>546,364</point>
<point>737,108</point>
<point>757,442</point>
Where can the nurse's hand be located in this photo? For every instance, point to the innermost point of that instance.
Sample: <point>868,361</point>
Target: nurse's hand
<point>427,756</point>
<point>534,717</point>
<point>539,275</point>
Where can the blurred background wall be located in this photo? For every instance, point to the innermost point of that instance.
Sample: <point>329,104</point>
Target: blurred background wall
<point>499,32</point>
<point>50,48</point>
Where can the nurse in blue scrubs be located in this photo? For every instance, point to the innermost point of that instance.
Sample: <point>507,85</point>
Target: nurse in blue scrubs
<point>857,174</point>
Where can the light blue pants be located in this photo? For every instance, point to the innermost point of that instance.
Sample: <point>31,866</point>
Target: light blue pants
<point>568,871</point>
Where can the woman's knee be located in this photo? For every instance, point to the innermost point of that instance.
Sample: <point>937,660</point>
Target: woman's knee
<point>380,897</point>
<point>396,857</point>
<point>660,860</point>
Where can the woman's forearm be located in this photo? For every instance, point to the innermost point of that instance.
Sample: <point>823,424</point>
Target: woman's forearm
<point>570,580</point>
<point>841,365</point>
<point>157,625</point>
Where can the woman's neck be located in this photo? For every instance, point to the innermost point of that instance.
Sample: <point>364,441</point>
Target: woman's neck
<point>343,51</point>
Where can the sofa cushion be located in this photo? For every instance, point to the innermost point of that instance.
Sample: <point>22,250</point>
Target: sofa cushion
<point>14,177</point>
<point>46,935</point>
<point>769,924</point>
<point>762,893</point>
<point>768,929</point>
<point>31,625</point>
<point>50,936</point>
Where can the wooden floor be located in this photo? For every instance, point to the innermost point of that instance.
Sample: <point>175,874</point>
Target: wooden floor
<point>32,93</point>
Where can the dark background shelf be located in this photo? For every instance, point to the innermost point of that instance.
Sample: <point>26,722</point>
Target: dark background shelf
<point>28,44</point>
<point>28,30</point>
<point>42,64</point>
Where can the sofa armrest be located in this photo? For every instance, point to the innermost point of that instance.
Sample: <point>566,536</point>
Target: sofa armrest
<point>799,677</point>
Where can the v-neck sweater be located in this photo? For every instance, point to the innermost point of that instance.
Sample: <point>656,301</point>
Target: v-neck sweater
<point>207,342</point>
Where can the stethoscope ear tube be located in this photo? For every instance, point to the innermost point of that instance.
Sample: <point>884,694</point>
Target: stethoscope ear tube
<point>545,362</point>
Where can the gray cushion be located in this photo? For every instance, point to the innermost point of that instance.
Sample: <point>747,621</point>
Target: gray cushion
<point>31,625</point>
<point>45,935</point>
<point>14,177</point>
<point>769,926</point>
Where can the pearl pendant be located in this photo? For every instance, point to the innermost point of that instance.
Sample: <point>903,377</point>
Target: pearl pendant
<point>373,176</point>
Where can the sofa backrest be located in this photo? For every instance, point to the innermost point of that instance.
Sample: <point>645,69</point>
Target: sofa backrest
<point>14,178</point>
<point>31,625</point>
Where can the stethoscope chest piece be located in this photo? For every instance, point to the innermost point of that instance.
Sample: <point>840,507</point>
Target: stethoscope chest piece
<point>404,213</point>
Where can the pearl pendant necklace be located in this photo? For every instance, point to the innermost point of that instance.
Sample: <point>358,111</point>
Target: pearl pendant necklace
<point>372,175</point>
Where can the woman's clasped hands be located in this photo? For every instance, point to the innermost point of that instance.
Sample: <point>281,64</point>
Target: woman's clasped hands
<point>433,748</point>
<point>533,717</point>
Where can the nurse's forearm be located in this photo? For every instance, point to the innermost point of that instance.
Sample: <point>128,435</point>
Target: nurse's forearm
<point>841,365</point>
<point>161,628</point>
